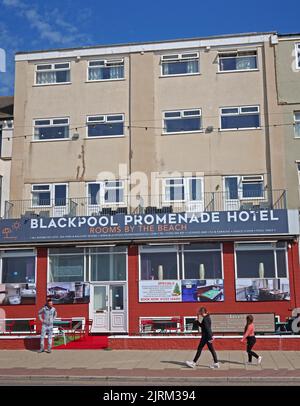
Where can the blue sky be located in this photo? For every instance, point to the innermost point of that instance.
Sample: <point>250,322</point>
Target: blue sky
<point>35,24</point>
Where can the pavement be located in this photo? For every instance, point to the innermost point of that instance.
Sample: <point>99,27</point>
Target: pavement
<point>142,367</point>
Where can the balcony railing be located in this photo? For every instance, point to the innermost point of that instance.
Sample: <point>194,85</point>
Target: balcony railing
<point>83,206</point>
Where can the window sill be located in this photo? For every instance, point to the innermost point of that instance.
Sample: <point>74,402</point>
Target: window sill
<point>183,132</point>
<point>237,70</point>
<point>51,84</point>
<point>53,140</point>
<point>104,80</point>
<point>104,136</point>
<point>179,75</point>
<point>239,129</point>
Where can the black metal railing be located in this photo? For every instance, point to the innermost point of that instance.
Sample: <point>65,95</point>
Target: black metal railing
<point>83,206</point>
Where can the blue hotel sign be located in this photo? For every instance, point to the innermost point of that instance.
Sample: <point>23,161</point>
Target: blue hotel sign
<point>146,226</point>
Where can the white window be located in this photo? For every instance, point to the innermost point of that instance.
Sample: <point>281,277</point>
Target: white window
<point>105,125</point>
<point>237,61</point>
<point>244,187</point>
<point>298,169</point>
<point>112,69</point>
<point>106,192</point>
<point>18,266</point>
<point>235,118</point>
<point>51,129</point>
<point>180,64</point>
<point>183,190</point>
<point>53,73</point>
<point>49,195</point>
<point>182,121</point>
<point>297,46</point>
<point>297,124</point>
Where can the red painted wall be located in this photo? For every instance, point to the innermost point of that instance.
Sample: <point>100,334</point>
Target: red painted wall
<point>282,308</point>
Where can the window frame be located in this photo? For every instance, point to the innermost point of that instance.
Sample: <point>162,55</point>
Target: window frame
<point>102,192</point>
<point>179,57</point>
<point>186,189</point>
<point>240,179</point>
<point>18,253</point>
<point>297,54</point>
<point>106,61</point>
<point>239,114</point>
<point>85,264</point>
<point>297,121</point>
<point>52,69</point>
<point>104,121</point>
<point>51,120</point>
<point>182,116</point>
<point>262,243</point>
<point>52,194</point>
<point>237,51</point>
<point>159,249</point>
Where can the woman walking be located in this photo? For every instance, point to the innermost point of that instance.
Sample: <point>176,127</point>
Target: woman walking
<point>249,335</point>
<point>204,321</point>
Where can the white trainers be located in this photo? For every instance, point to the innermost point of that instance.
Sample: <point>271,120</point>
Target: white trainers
<point>216,365</point>
<point>259,359</point>
<point>191,364</point>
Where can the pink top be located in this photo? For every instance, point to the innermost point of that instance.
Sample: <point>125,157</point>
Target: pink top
<point>249,332</point>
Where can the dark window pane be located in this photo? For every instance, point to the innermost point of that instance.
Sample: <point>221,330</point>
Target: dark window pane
<point>231,188</point>
<point>55,132</point>
<point>60,195</point>
<point>68,268</point>
<point>99,130</point>
<point>211,262</point>
<point>150,263</point>
<point>62,76</point>
<point>18,270</point>
<point>183,124</point>
<point>43,199</point>
<point>281,263</point>
<point>178,68</point>
<point>248,264</point>
<point>108,267</point>
<point>94,197</point>
<point>252,190</point>
<point>240,121</point>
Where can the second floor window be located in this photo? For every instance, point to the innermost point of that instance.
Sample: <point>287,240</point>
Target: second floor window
<point>297,56</point>
<point>238,60</point>
<point>244,187</point>
<point>105,125</point>
<point>297,124</point>
<point>106,69</point>
<point>51,129</point>
<point>53,73</point>
<point>183,189</point>
<point>106,192</point>
<point>182,121</point>
<point>234,118</point>
<point>180,64</point>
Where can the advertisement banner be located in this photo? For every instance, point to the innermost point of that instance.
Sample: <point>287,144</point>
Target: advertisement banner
<point>68,292</point>
<point>204,290</point>
<point>160,291</point>
<point>147,226</point>
<point>262,290</point>
<point>17,293</point>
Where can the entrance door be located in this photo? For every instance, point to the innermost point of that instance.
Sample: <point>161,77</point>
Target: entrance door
<point>99,308</point>
<point>108,308</point>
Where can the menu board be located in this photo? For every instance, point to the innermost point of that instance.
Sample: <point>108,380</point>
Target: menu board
<point>235,322</point>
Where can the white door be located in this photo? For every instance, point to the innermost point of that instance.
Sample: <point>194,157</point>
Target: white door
<point>108,308</point>
<point>99,308</point>
<point>117,309</point>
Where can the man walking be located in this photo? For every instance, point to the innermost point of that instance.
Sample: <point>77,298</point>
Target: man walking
<point>47,315</point>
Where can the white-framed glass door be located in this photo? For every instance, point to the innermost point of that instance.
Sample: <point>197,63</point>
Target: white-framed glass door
<point>108,308</point>
<point>232,192</point>
<point>60,193</point>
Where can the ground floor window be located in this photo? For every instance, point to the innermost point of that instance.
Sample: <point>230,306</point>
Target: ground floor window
<point>66,265</point>
<point>261,272</point>
<point>108,264</point>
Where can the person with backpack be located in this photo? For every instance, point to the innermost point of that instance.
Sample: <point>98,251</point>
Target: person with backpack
<point>204,322</point>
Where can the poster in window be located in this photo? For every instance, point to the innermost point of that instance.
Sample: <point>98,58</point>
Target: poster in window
<point>202,290</point>
<point>17,293</point>
<point>262,290</point>
<point>160,291</point>
<point>68,292</point>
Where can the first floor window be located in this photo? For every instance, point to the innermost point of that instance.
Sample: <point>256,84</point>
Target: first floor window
<point>18,266</point>
<point>53,73</point>
<point>49,194</point>
<point>182,121</point>
<point>106,192</point>
<point>66,265</point>
<point>297,56</point>
<point>51,129</point>
<point>244,187</point>
<point>239,117</point>
<point>108,125</point>
<point>108,264</point>
<point>183,189</point>
<point>180,64</point>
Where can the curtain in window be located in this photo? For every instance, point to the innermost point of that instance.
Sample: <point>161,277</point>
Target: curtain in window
<point>165,68</point>
<point>95,74</point>
<point>45,77</point>
<point>116,72</point>
<point>192,66</point>
<point>245,62</point>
